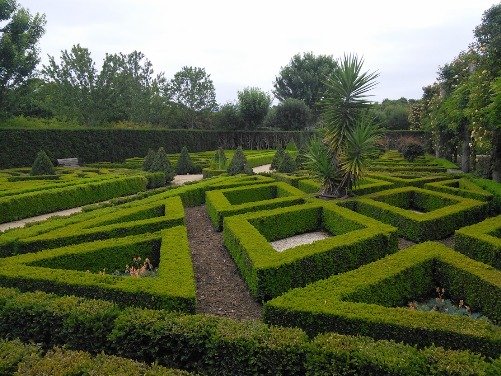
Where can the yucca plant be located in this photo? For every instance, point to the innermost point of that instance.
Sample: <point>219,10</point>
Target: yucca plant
<point>349,135</point>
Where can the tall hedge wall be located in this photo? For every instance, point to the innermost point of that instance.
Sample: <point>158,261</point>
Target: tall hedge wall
<point>18,147</point>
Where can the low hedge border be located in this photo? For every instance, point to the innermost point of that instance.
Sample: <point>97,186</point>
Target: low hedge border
<point>103,224</point>
<point>129,218</point>
<point>40,202</point>
<point>490,186</point>
<point>406,167</point>
<point>33,177</point>
<point>415,181</point>
<point>438,222</point>
<point>366,186</point>
<point>18,358</point>
<point>232,201</point>
<point>460,187</point>
<point>74,270</point>
<point>356,240</point>
<point>362,301</point>
<point>481,241</point>
<point>215,345</point>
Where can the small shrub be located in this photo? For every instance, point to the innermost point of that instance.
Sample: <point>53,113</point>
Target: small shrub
<point>185,165</point>
<point>277,159</point>
<point>219,160</point>
<point>161,164</point>
<point>291,146</point>
<point>288,164</point>
<point>148,160</point>
<point>411,148</point>
<point>42,165</point>
<point>238,164</point>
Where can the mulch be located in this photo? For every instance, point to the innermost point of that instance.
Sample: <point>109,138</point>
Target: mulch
<point>220,288</point>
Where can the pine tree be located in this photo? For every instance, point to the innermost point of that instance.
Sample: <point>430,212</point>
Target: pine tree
<point>219,160</point>
<point>161,164</point>
<point>148,160</point>
<point>277,159</point>
<point>184,164</point>
<point>288,164</point>
<point>42,165</point>
<point>238,164</point>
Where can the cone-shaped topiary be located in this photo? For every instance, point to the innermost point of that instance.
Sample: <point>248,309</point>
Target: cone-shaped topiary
<point>148,160</point>
<point>161,164</point>
<point>42,165</point>
<point>184,164</point>
<point>219,160</point>
<point>238,164</point>
<point>277,159</point>
<point>288,164</point>
<point>301,158</point>
<point>291,146</point>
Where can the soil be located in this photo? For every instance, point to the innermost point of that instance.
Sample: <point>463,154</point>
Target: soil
<point>404,243</point>
<point>220,288</point>
<point>449,242</point>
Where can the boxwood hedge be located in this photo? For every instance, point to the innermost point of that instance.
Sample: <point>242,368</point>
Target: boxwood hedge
<point>421,214</point>
<point>368,301</point>
<point>355,241</point>
<point>86,269</point>
<point>481,241</point>
<point>214,345</point>
<point>226,202</point>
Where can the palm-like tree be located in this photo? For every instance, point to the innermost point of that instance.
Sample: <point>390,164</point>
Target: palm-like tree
<point>349,134</point>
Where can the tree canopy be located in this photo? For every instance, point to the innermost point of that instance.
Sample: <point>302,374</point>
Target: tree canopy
<point>193,88</point>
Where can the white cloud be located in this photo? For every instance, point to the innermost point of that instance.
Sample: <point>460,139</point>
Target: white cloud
<point>245,43</point>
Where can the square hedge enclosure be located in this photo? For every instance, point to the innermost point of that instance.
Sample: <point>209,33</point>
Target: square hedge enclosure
<point>226,202</point>
<point>370,301</point>
<point>356,240</point>
<point>481,241</point>
<point>74,270</point>
<point>421,214</point>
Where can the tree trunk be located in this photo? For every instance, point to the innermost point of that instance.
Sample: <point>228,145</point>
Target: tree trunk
<point>496,155</point>
<point>465,149</point>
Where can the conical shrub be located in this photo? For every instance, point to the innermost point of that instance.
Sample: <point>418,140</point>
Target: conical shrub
<point>238,164</point>
<point>288,164</point>
<point>148,160</point>
<point>42,165</point>
<point>277,159</point>
<point>161,164</point>
<point>291,146</point>
<point>184,164</point>
<point>219,160</point>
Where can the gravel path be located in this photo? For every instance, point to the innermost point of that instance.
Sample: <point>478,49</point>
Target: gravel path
<point>297,240</point>
<point>220,289</point>
<point>43,217</point>
<point>263,168</point>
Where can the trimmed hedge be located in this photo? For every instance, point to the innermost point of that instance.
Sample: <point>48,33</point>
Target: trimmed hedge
<point>214,345</point>
<point>49,200</point>
<point>26,360</point>
<point>414,180</point>
<point>492,187</point>
<point>481,241</point>
<point>368,301</point>
<point>115,145</point>
<point>232,201</point>
<point>76,269</point>
<point>460,187</point>
<point>355,241</point>
<point>367,185</point>
<point>443,213</point>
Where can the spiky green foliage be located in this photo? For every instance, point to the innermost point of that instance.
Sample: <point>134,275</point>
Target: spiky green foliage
<point>184,164</point>
<point>349,134</point>
<point>148,160</point>
<point>42,165</point>
<point>322,165</point>
<point>161,164</point>
<point>238,164</point>
<point>219,160</point>
<point>277,159</point>
<point>288,164</point>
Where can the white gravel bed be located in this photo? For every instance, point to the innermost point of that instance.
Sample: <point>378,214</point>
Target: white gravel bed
<point>263,168</point>
<point>294,241</point>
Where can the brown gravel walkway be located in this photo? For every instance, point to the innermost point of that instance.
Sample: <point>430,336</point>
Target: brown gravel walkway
<point>220,289</point>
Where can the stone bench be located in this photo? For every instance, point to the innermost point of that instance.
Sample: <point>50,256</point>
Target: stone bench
<point>68,162</point>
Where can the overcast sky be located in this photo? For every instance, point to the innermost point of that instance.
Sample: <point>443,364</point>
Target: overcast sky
<point>244,44</point>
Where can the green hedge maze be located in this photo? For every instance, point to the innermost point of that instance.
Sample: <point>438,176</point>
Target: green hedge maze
<point>400,278</point>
